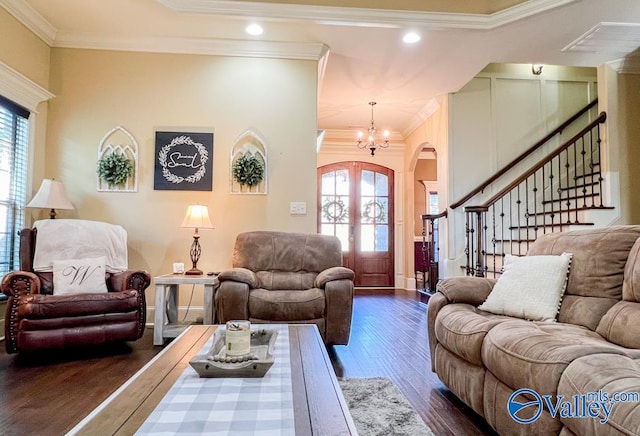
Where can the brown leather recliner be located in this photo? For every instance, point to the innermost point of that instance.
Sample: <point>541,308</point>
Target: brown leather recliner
<point>280,277</point>
<point>37,319</point>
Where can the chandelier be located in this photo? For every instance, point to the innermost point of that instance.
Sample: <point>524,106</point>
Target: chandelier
<point>370,143</point>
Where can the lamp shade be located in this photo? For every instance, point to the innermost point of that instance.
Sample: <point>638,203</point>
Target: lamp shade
<point>197,217</point>
<point>51,195</point>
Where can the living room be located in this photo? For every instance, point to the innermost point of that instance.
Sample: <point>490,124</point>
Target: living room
<point>79,93</point>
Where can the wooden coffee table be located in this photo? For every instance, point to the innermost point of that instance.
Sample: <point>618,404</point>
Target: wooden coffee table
<point>319,406</point>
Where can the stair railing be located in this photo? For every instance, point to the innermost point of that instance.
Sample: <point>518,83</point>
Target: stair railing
<point>548,197</point>
<point>431,248</point>
<point>482,186</point>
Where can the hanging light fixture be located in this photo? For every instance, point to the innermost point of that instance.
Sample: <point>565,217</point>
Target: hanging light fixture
<point>370,142</point>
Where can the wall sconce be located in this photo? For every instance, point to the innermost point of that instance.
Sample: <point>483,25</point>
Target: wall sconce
<point>197,217</point>
<point>536,69</point>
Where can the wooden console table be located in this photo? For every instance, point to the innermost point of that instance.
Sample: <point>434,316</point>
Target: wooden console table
<point>165,323</point>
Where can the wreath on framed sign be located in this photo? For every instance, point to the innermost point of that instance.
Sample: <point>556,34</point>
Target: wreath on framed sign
<point>248,170</point>
<point>115,169</point>
<point>166,171</point>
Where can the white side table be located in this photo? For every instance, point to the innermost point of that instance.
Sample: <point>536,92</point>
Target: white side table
<point>165,323</point>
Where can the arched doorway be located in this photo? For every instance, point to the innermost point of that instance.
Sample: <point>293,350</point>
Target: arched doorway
<point>356,204</point>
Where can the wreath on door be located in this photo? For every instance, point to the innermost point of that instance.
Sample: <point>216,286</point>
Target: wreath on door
<point>334,210</point>
<point>374,211</point>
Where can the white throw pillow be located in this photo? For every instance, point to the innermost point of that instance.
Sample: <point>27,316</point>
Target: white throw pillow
<point>530,287</point>
<point>77,276</point>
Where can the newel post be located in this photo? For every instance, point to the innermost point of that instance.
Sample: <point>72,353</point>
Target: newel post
<point>475,237</point>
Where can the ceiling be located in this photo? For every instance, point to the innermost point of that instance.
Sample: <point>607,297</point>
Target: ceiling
<point>358,43</point>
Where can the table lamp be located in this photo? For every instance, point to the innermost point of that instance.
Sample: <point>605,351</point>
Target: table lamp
<point>197,217</point>
<point>51,195</point>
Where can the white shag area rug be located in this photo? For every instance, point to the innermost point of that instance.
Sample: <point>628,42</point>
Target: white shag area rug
<point>379,408</point>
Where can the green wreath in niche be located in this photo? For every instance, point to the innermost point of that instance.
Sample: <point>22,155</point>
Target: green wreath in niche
<point>248,170</point>
<point>115,169</point>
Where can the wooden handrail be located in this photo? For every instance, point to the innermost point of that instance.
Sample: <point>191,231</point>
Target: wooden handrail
<point>523,155</point>
<point>601,119</point>
<point>434,217</point>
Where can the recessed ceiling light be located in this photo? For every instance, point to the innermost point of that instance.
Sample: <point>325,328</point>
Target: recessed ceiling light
<point>254,29</point>
<point>411,38</point>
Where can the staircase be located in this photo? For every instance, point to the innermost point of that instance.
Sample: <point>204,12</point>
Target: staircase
<point>555,194</point>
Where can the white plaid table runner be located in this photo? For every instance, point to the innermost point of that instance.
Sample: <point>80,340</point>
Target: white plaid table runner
<point>229,406</point>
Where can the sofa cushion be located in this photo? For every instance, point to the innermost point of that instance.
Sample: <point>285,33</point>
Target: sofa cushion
<point>534,355</point>
<point>597,268</point>
<point>530,287</point>
<point>621,324</point>
<point>283,305</point>
<point>40,306</point>
<point>631,284</point>
<point>283,280</point>
<point>285,251</point>
<point>461,329</point>
<point>611,374</point>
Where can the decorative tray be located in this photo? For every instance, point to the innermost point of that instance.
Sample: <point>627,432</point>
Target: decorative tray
<point>216,363</point>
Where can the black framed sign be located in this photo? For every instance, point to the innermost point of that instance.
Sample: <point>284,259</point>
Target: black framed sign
<point>183,161</point>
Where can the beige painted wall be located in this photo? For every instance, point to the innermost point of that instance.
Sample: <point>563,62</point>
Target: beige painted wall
<point>22,50</point>
<point>432,133</point>
<point>98,90</point>
<point>426,169</point>
<point>28,55</point>
<point>620,94</point>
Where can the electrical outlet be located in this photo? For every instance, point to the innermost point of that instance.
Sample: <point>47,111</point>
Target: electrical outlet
<point>298,208</point>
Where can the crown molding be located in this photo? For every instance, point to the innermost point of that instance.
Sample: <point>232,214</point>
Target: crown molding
<point>219,47</point>
<point>20,89</point>
<point>28,16</point>
<point>628,65</point>
<point>423,114</point>
<point>346,16</point>
<point>329,15</point>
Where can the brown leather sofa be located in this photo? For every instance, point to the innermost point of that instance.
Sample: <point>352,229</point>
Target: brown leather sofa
<point>594,346</point>
<point>36,319</point>
<point>280,277</point>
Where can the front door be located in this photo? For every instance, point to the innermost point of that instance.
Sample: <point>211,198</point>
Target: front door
<point>355,203</point>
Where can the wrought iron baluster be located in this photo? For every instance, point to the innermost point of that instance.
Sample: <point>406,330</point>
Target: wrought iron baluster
<point>502,241</point>
<point>493,238</point>
<point>469,246</point>
<point>599,154</point>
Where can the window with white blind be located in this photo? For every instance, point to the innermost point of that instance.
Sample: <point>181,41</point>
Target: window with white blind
<point>14,147</point>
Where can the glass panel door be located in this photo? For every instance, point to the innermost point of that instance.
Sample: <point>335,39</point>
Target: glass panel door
<point>335,199</point>
<point>355,203</point>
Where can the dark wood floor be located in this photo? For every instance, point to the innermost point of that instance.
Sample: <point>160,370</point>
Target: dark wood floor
<point>48,393</point>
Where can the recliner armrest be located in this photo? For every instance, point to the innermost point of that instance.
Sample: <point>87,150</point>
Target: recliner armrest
<point>18,283</point>
<point>333,273</point>
<point>469,290</point>
<point>130,279</point>
<point>242,275</point>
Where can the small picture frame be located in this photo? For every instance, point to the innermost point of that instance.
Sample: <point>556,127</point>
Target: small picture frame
<point>183,161</point>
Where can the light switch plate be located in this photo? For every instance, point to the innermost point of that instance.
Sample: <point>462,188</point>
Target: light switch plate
<point>298,208</point>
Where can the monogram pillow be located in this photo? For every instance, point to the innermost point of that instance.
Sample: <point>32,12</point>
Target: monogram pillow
<point>77,276</point>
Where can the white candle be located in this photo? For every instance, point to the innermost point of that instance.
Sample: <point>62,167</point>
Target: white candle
<point>238,338</point>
